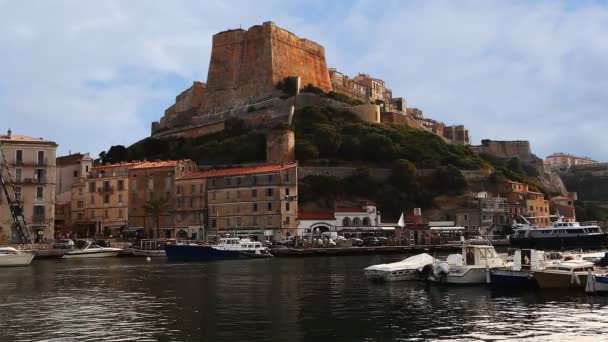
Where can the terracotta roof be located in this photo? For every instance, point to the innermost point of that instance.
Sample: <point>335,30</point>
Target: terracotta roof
<point>24,138</point>
<point>155,164</point>
<point>350,210</point>
<point>112,165</point>
<point>70,159</point>
<point>237,171</point>
<point>315,215</point>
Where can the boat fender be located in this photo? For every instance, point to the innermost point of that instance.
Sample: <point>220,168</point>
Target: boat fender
<point>575,279</point>
<point>590,286</point>
<point>148,259</point>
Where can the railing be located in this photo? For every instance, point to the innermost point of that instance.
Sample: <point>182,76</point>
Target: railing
<point>108,174</point>
<point>106,189</point>
<point>42,162</point>
<point>41,180</point>
<point>38,218</point>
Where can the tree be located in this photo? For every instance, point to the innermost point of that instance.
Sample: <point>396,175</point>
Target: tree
<point>306,151</point>
<point>327,140</point>
<point>403,175</point>
<point>515,165</point>
<point>378,147</point>
<point>449,180</point>
<point>156,208</point>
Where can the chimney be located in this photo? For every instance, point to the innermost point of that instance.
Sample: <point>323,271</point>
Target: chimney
<point>9,133</point>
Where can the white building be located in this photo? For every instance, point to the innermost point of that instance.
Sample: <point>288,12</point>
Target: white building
<point>344,219</point>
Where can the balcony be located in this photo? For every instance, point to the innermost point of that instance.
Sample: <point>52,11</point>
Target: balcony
<point>108,175</point>
<point>105,189</point>
<point>25,181</point>
<point>38,218</point>
<point>37,162</point>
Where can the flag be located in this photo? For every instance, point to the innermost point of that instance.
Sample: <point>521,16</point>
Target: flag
<point>401,221</point>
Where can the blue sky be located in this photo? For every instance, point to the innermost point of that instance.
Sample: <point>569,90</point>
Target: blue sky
<point>94,74</point>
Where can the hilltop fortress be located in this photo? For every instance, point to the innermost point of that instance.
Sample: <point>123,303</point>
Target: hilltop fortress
<point>246,69</point>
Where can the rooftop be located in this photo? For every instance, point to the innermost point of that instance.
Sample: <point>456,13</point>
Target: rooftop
<point>237,171</point>
<point>315,215</point>
<point>156,164</point>
<point>71,159</point>
<point>9,137</point>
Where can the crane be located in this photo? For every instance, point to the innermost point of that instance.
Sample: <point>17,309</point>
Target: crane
<point>14,203</point>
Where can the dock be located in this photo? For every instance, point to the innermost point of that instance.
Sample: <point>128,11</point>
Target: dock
<point>340,251</point>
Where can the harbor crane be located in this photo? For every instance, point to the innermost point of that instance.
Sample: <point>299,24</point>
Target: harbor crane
<point>14,203</point>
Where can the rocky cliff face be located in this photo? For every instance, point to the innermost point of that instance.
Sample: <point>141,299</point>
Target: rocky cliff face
<point>589,181</point>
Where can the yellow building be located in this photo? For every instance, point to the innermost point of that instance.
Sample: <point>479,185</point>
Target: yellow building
<point>31,162</point>
<point>259,201</point>
<point>538,208</point>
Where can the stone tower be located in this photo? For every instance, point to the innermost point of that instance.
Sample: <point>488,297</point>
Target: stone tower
<point>280,146</point>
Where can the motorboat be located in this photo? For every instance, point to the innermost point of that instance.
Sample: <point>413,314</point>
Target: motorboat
<point>564,274</point>
<point>596,283</point>
<point>10,256</point>
<point>525,261</point>
<point>149,248</point>
<point>226,249</point>
<point>560,235</point>
<point>91,249</point>
<point>473,266</point>
<point>415,267</point>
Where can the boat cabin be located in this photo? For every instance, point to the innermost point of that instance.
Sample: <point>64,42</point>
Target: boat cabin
<point>481,255</point>
<point>570,267</point>
<point>238,244</point>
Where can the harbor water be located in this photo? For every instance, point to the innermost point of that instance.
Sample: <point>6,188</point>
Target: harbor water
<point>280,299</point>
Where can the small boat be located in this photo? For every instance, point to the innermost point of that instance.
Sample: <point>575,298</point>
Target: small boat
<point>520,274</point>
<point>596,283</point>
<point>473,266</point>
<point>149,248</point>
<point>415,267</point>
<point>564,274</point>
<point>10,256</point>
<point>92,250</point>
<point>560,235</point>
<point>226,249</point>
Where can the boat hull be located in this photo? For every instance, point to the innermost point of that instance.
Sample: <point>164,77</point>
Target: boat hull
<point>550,280</point>
<point>398,275</point>
<point>501,278</point>
<point>466,276</point>
<point>96,254</point>
<point>154,253</point>
<point>568,242</point>
<point>600,284</point>
<point>180,253</point>
<point>23,259</point>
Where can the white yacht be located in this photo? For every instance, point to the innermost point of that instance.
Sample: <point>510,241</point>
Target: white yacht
<point>245,247</point>
<point>10,256</point>
<point>92,250</point>
<point>412,268</point>
<point>559,235</point>
<point>471,267</point>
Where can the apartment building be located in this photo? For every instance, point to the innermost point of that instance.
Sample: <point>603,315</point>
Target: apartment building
<point>31,162</point>
<point>258,201</point>
<point>152,193</point>
<point>70,171</point>
<point>104,196</point>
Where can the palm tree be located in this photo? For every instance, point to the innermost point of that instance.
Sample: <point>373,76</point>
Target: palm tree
<point>156,208</point>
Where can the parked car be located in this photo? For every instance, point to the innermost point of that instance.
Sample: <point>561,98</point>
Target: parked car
<point>64,244</point>
<point>371,241</point>
<point>357,242</point>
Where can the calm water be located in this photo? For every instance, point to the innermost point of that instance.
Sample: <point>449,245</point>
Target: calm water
<point>309,299</point>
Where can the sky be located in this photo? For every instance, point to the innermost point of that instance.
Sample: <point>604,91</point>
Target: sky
<point>90,75</point>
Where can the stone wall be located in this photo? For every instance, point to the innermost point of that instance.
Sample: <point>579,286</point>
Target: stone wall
<point>506,149</point>
<point>280,146</point>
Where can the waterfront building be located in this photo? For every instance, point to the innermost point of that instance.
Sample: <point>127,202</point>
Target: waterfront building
<point>258,201</point>
<point>564,161</point>
<point>70,171</point>
<point>190,206</point>
<point>538,209</point>
<point>101,204</point>
<point>31,162</point>
<point>151,195</point>
<point>344,219</point>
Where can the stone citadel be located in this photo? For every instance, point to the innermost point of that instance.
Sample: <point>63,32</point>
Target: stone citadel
<point>245,68</point>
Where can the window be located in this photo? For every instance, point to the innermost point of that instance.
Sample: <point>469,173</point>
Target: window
<point>228,181</point>
<point>80,191</point>
<point>18,175</point>
<point>269,179</point>
<point>238,194</point>
<point>286,206</point>
<point>79,216</point>
<point>192,202</point>
<point>39,176</point>
<point>254,193</point>
<point>86,168</point>
<point>19,157</point>
<point>213,196</point>
<point>150,184</point>
<point>180,202</point>
<point>133,185</point>
<point>228,221</point>
<point>238,181</point>
<point>214,223</point>
<point>92,199</point>
<point>192,188</point>
<point>286,191</point>
<point>178,190</point>
<point>346,222</point>
<point>79,204</point>
<point>227,194</point>
<point>269,206</point>
<point>269,220</point>
<point>466,217</point>
<point>356,222</point>
<point>75,173</point>
<point>254,221</point>
<point>92,187</point>
<point>269,192</point>
<point>40,157</point>
<point>38,212</point>
<point>121,185</point>
<point>106,213</point>
<point>106,199</point>
<point>255,207</point>
<point>120,198</point>
<point>120,212</point>
<point>287,219</point>
<point>366,221</point>
<point>39,193</point>
<point>286,176</point>
<point>106,186</point>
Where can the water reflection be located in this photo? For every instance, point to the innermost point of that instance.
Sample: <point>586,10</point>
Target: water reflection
<point>308,299</point>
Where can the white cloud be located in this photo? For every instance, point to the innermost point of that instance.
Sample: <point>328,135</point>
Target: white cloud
<point>94,75</point>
